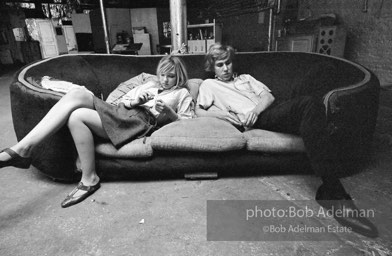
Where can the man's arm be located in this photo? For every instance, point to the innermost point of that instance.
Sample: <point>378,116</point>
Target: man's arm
<point>217,113</point>
<point>266,99</point>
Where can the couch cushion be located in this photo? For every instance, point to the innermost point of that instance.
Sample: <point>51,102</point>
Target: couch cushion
<point>274,142</point>
<point>135,149</point>
<point>198,134</point>
<point>193,87</point>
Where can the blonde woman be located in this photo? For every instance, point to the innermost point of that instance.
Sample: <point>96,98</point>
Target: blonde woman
<point>165,100</point>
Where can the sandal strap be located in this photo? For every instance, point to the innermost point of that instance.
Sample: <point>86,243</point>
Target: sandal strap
<point>12,154</point>
<point>81,186</point>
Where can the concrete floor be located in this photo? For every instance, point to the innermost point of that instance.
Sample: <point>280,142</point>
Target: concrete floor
<point>174,211</point>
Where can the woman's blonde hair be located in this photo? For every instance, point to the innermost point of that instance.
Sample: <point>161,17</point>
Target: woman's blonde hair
<point>170,62</point>
<point>216,52</point>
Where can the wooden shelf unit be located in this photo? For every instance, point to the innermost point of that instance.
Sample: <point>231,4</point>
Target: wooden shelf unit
<point>202,36</point>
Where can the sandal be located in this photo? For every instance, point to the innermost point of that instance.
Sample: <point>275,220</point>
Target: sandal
<point>16,160</point>
<point>71,200</point>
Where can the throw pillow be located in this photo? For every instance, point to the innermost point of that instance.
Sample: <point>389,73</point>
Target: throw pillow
<point>193,87</point>
<point>54,84</point>
<point>115,96</point>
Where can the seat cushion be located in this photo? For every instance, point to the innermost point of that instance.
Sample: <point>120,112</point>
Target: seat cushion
<point>135,149</point>
<point>273,142</point>
<point>199,134</point>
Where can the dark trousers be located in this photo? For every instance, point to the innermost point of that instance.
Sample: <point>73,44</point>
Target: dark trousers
<point>306,117</point>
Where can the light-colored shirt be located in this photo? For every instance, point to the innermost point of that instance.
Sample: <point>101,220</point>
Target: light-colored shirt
<point>238,96</point>
<point>178,99</point>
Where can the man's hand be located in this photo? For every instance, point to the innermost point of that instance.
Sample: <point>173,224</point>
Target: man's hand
<point>266,99</point>
<point>230,117</point>
<point>250,119</point>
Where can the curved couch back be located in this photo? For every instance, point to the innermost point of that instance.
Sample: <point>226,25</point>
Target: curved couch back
<point>285,73</point>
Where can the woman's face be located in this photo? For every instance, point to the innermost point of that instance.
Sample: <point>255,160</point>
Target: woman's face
<point>168,79</point>
<point>224,69</point>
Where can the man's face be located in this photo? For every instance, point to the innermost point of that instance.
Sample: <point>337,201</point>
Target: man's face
<point>223,69</point>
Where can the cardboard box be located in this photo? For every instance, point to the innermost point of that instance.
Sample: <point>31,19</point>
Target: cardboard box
<point>138,30</point>
<point>197,46</point>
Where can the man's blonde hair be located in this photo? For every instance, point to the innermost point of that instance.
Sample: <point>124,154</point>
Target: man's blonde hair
<point>216,52</point>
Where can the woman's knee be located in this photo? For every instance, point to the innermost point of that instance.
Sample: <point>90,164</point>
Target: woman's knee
<point>85,117</point>
<point>77,117</point>
<point>79,96</point>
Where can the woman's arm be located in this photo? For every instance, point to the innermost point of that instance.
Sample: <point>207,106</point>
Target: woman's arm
<point>165,111</point>
<point>141,99</point>
<point>138,95</point>
<point>181,107</point>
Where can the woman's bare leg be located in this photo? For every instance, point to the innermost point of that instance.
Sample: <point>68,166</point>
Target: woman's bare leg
<point>52,122</point>
<point>83,123</point>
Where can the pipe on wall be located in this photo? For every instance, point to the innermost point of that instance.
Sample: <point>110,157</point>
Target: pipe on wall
<point>270,29</point>
<point>178,21</point>
<point>105,28</point>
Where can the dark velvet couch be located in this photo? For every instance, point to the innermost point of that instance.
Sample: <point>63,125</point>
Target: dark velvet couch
<point>349,91</point>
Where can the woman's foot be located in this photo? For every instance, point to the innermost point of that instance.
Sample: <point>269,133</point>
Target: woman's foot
<point>79,193</point>
<point>9,157</point>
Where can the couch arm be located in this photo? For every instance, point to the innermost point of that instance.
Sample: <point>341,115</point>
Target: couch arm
<point>352,115</point>
<point>56,156</point>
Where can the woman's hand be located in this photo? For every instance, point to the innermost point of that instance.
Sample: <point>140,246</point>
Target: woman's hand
<point>162,108</point>
<point>143,98</point>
